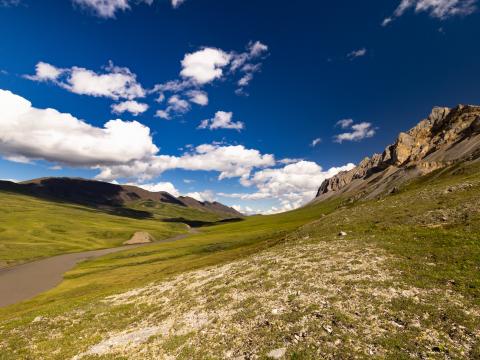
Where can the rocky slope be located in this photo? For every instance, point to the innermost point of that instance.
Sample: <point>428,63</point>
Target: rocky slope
<point>447,136</point>
<point>212,206</point>
<point>98,194</point>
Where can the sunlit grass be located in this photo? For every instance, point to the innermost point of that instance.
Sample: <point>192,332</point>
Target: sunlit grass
<point>430,228</point>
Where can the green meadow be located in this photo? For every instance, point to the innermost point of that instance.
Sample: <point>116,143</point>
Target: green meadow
<point>32,228</point>
<point>429,231</point>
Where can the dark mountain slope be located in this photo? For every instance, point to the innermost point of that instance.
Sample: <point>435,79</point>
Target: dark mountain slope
<point>214,207</point>
<point>102,194</point>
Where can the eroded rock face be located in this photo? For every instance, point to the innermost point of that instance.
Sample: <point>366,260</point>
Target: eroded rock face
<point>426,147</point>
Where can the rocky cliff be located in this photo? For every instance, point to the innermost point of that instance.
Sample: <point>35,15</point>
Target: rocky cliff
<point>446,136</point>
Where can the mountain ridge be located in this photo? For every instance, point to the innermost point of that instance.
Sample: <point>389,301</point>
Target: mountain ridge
<point>445,137</point>
<point>97,193</point>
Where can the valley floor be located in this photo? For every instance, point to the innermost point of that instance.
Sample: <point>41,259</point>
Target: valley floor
<point>403,283</point>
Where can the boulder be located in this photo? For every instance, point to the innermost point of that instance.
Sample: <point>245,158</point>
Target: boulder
<point>277,353</point>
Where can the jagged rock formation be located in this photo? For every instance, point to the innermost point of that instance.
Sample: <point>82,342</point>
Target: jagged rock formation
<point>445,137</point>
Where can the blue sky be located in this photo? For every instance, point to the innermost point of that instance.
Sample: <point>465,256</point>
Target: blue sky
<point>278,75</point>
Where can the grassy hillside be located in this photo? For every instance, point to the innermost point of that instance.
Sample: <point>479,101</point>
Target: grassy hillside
<point>31,228</point>
<point>163,211</point>
<point>404,283</point>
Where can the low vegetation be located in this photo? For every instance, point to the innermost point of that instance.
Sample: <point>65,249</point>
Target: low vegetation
<point>403,283</point>
<point>32,228</point>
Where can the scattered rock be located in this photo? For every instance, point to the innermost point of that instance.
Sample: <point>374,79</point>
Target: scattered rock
<point>140,237</point>
<point>342,233</point>
<point>328,329</point>
<point>277,353</point>
<point>122,340</point>
<point>394,190</point>
<point>38,319</point>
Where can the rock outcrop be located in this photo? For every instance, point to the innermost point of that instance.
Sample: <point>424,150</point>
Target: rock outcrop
<point>445,137</point>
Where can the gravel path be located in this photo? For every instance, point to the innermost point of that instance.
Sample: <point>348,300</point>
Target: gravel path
<point>22,282</point>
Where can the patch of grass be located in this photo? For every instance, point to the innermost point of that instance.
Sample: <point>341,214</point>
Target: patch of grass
<point>33,228</point>
<point>430,229</point>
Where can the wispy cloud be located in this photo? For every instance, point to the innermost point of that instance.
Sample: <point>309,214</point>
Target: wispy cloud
<point>315,142</point>
<point>177,3</point>
<point>222,120</point>
<point>108,9</point>
<point>344,123</point>
<point>357,53</point>
<point>8,3</point>
<point>358,131</point>
<point>439,9</point>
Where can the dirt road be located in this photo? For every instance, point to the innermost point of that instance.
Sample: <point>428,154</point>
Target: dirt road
<point>24,281</point>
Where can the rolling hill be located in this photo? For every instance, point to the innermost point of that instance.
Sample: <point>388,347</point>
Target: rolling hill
<point>51,216</point>
<point>102,194</point>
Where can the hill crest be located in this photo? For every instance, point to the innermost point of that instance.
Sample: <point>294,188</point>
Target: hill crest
<point>98,193</point>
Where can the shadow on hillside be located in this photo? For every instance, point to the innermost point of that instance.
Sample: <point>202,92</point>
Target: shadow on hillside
<point>97,196</point>
<point>198,223</point>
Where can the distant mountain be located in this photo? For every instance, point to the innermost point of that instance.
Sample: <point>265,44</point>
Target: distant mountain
<point>447,136</point>
<point>98,194</point>
<point>214,207</point>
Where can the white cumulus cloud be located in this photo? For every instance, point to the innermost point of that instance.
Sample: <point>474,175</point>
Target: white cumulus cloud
<point>198,97</point>
<point>230,161</point>
<point>45,72</point>
<point>115,82</point>
<point>30,133</point>
<point>202,196</point>
<point>222,120</point>
<point>158,187</point>
<point>131,106</point>
<point>293,185</point>
<point>176,106</point>
<point>205,65</point>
